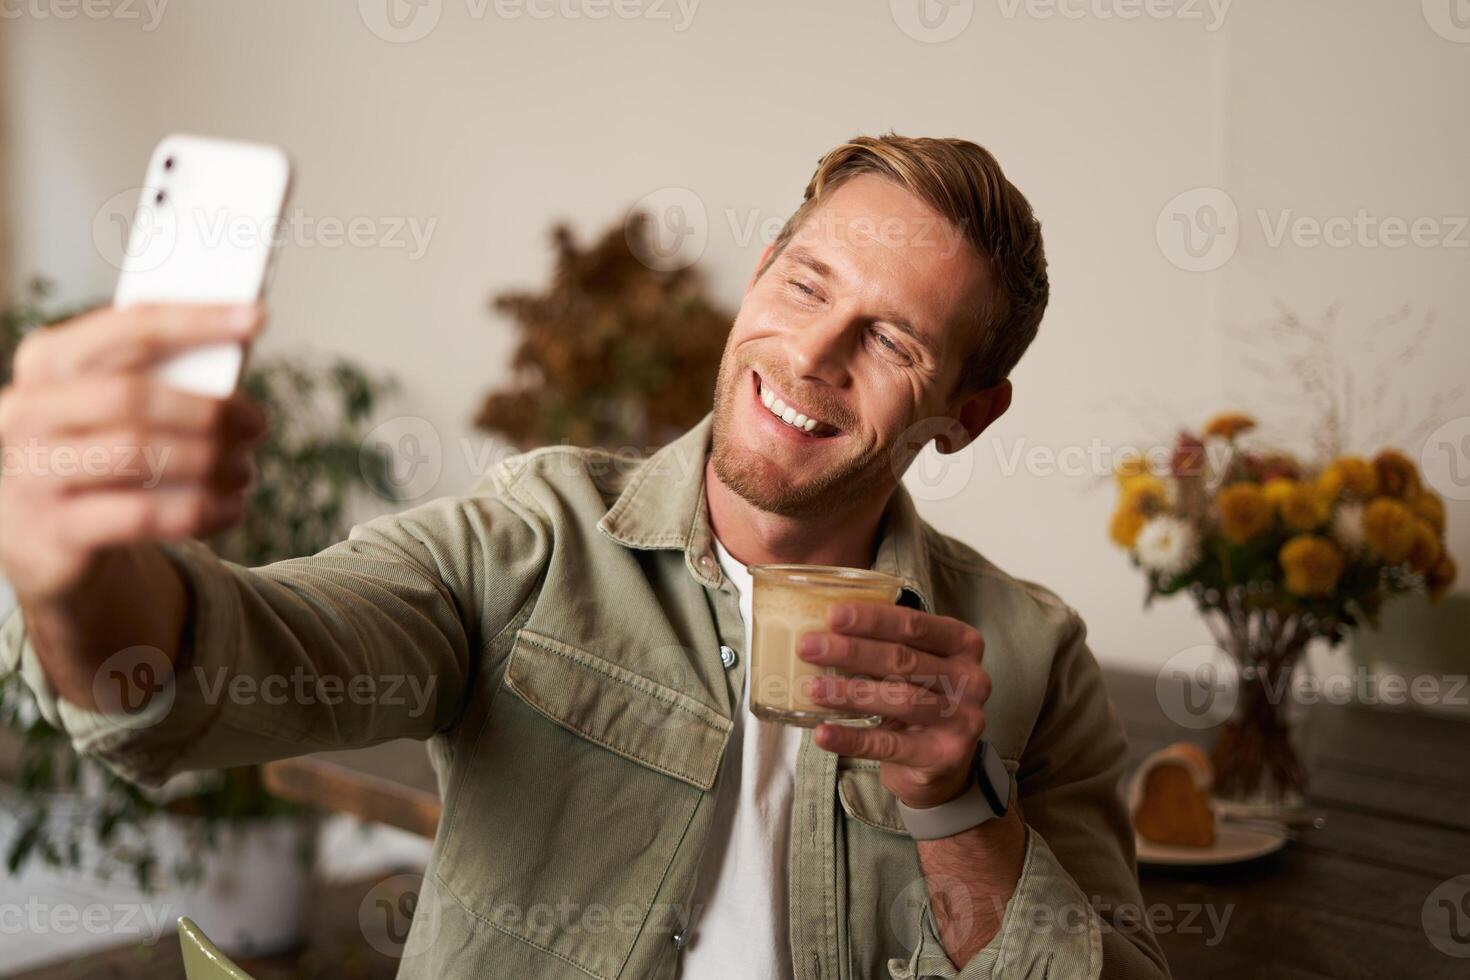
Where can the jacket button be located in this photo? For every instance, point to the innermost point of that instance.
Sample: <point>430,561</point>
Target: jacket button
<point>707,563</point>
<point>727,656</point>
<point>679,939</point>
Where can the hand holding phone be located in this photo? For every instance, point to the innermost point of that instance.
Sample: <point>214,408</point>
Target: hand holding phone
<point>204,231</point>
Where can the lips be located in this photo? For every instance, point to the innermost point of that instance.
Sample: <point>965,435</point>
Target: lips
<point>791,414</point>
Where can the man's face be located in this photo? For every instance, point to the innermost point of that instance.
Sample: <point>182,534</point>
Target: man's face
<point>860,325</point>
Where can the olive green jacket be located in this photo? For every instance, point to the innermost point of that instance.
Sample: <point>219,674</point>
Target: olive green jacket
<point>556,635</point>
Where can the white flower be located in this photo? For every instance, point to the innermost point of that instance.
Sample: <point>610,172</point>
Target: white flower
<point>1347,527</point>
<point>1167,545</point>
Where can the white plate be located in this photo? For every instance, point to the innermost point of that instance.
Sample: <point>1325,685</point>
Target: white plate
<point>1232,844</point>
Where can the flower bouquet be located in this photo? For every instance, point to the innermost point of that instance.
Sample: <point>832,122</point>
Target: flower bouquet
<point>1275,552</point>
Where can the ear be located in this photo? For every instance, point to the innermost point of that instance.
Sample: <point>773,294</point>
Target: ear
<point>975,413</point>
<point>759,264</point>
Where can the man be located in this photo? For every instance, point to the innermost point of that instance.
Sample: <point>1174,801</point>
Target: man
<point>611,810</point>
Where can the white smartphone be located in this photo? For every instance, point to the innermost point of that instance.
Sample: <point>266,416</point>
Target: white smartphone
<point>205,231</point>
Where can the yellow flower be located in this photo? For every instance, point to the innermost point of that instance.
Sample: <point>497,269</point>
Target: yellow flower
<point>1125,525</point>
<point>1428,505</point>
<point>1228,425</point>
<point>1353,475</point>
<point>1312,565</point>
<point>1244,511</point>
<point>1441,575</point>
<point>1143,496</point>
<point>1298,503</point>
<point>1144,493</point>
<point>1425,550</point>
<point>1397,476</point>
<point>1388,526</point>
<point>1130,466</point>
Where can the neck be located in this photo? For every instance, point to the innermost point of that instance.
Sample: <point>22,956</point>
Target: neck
<point>847,537</point>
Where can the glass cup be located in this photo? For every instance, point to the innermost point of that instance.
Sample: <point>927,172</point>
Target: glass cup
<point>790,601</point>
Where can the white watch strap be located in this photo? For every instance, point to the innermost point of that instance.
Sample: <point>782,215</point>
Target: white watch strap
<point>970,809</point>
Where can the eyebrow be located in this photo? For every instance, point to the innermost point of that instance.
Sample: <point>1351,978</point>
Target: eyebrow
<point>801,255</point>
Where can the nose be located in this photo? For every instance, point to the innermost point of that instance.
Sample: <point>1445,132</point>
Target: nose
<point>819,349</point>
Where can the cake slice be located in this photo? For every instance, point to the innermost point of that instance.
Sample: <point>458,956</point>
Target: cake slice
<point>1170,797</point>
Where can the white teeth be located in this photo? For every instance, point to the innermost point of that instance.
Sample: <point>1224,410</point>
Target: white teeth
<point>786,413</point>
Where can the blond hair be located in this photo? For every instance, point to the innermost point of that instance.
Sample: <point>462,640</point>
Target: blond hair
<point>964,183</point>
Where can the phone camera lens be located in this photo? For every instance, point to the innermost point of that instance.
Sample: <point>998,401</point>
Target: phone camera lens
<point>158,198</point>
<point>168,163</point>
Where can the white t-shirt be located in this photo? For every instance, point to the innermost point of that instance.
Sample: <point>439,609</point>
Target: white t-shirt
<point>740,925</point>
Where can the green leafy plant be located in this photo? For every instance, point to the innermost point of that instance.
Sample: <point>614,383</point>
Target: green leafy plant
<point>71,811</point>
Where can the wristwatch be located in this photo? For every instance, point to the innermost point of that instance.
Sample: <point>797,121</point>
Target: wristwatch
<point>986,797</point>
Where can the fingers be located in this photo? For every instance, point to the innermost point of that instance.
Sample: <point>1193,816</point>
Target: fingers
<point>922,750</point>
<point>941,635</point>
<point>134,400</point>
<point>895,699</point>
<point>112,339</point>
<point>116,459</point>
<point>877,658</point>
<point>114,517</point>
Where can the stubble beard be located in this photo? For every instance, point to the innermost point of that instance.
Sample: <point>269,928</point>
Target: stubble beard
<point>751,476</point>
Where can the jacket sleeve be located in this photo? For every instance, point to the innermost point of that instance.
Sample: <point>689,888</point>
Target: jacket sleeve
<point>1077,911</point>
<point>370,640</point>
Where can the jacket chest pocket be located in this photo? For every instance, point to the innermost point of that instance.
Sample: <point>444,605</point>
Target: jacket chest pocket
<point>581,787</point>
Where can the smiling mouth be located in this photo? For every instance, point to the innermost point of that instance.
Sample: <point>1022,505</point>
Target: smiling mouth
<point>790,414</point>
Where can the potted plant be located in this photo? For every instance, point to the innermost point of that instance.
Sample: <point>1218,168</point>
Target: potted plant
<point>614,352</point>
<point>235,856</point>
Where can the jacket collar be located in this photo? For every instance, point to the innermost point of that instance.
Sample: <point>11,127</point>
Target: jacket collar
<point>664,506</point>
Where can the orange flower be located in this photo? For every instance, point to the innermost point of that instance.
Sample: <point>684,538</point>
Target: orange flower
<point>1397,476</point>
<point>1352,475</point>
<point>1441,575</point>
<point>1299,505</point>
<point>1425,550</point>
<point>1426,504</point>
<point>1244,511</point>
<point>1388,527</point>
<point>1228,425</point>
<point>1312,565</point>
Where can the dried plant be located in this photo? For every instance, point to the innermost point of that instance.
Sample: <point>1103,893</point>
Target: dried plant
<point>613,353</point>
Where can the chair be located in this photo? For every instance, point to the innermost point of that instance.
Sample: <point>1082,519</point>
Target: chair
<point>202,961</point>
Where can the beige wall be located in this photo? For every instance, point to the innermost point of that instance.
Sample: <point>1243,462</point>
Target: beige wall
<point>491,127</point>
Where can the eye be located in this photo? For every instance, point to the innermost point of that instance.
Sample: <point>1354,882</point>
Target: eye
<point>802,287</point>
<point>889,348</point>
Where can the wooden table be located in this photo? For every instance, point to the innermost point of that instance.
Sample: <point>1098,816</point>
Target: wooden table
<point>1339,903</point>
